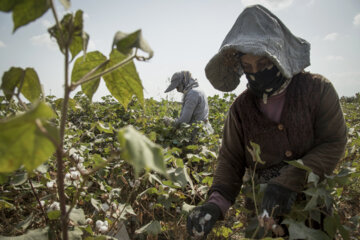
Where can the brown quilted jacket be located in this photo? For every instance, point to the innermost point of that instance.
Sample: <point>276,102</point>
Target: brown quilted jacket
<point>312,128</point>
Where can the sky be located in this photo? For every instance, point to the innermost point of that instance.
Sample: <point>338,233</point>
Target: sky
<point>184,35</point>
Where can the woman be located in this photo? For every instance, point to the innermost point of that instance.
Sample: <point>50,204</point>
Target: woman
<point>291,114</point>
<point>195,105</point>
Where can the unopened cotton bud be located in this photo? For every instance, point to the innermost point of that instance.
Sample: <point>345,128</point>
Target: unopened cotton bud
<point>114,206</point>
<point>89,221</point>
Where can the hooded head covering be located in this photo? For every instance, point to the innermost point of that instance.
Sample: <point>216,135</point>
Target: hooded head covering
<point>259,32</point>
<point>182,78</point>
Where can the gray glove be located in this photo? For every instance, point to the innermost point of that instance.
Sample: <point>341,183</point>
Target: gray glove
<point>202,219</point>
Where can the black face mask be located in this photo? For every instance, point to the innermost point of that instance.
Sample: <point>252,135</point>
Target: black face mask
<point>266,82</point>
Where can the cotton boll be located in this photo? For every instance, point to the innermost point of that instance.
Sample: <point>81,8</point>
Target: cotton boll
<point>51,184</point>
<point>103,229</point>
<point>99,223</point>
<point>67,176</point>
<point>75,175</point>
<point>54,206</point>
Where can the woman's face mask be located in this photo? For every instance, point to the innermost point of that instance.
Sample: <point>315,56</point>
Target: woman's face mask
<point>263,76</point>
<point>266,81</point>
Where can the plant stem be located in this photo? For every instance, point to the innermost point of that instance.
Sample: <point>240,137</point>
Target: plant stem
<point>59,151</point>
<point>38,200</point>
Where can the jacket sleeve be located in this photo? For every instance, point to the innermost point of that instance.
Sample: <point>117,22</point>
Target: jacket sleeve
<point>190,103</point>
<point>329,145</point>
<point>230,162</point>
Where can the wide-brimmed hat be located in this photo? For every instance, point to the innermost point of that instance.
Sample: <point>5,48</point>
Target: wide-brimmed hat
<point>259,32</point>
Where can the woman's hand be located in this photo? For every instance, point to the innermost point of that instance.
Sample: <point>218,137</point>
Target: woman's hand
<point>278,200</point>
<point>202,219</point>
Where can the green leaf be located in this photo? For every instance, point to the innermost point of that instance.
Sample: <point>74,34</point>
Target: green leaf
<point>312,204</point>
<point>299,164</point>
<point>19,178</point>
<point>344,232</point>
<point>96,204</point>
<point>126,42</point>
<point>71,34</point>
<point>31,88</point>
<point>187,208</point>
<point>298,230</point>
<point>10,81</point>
<point>75,234</point>
<point>22,143</point>
<point>26,222</point>
<point>65,3</point>
<point>71,104</point>
<point>28,80</point>
<point>5,204</point>
<point>77,216</point>
<point>27,11</point>
<point>255,152</point>
<point>313,178</point>
<point>178,176</point>
<point>152,227</point>
<point>4,178</point>
<point>98,160</point>
<point>102,127</point>
<point>140,151</point>
<point>79,39</point>
<point>330,224</point>
<point>7,5</point>
<point>124,82</point>
<point>37,234</point>
<point>85,64</point>
<point>52,215</point>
